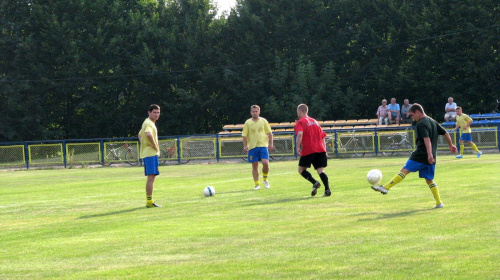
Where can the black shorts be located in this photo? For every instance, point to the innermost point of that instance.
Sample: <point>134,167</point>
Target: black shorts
<point>318,160</point>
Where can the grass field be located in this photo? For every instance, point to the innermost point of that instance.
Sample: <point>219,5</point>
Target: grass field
<point>91,223</point>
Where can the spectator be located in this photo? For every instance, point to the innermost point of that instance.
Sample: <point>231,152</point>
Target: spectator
<point>450,108</point>
<point>382,113</point>
<point>394,111</point>
<point>405,112</point>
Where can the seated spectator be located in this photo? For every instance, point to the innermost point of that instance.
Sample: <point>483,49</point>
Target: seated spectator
<point>405,112</point>
<point>450,108</point>
<point>394,111</point>
<point>383,113</point>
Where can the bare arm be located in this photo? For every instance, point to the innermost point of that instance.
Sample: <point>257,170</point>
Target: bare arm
<point>299,142</point>
<point>245,146</point>
<point>428,147</point>
<point>453,148</point>
<point>271,141</point>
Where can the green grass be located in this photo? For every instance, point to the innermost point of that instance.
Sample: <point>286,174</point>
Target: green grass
<point>92,224</point>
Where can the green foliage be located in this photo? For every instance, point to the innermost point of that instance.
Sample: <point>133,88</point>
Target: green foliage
<point>82,69</point>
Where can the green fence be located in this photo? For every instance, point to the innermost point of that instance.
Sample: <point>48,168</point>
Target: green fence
<point>183,149</point>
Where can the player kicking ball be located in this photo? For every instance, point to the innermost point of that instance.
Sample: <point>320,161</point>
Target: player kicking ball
<point>423,159</point>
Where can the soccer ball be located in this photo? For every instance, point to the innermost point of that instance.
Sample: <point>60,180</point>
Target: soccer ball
<point>374,177</point>
<point>209,191</point>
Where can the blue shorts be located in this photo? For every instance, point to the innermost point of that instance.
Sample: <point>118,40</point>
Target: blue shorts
<point>466,137</point>
<point>258,154</point>
<point>151,165</point>
<point>425,171</point>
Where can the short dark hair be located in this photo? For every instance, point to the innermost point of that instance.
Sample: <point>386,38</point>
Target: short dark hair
<point>417,107</point>
<point>303,108</point>
<point>153,107</point>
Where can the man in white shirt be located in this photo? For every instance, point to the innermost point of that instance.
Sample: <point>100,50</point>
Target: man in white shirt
<point>450,109</point>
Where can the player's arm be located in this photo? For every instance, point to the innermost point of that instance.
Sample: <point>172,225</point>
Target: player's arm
<point>151,139</point>
<point>245,146</point>
<point>453,148</point>
<point>271,141</point>
<point>299,142</point>
<point>428,147</point>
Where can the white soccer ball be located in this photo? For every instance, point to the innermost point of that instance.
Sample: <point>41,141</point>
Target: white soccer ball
<point>209,191</point>
<point>374,177</point>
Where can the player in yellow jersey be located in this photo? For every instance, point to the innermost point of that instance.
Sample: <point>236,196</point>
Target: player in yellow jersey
<point>148,136</point>
<point>257,142</point>
<point>464,122</point>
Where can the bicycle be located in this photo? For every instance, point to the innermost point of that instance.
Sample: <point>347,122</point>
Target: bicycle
<point>353,144</point>
<point>169,152</point>
<point>399,142</point>
<point>115,155</point>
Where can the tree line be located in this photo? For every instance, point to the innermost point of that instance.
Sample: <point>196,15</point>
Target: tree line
<point>84,69</point>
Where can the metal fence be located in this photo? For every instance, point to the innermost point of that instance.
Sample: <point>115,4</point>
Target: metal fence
<point>183,149</point>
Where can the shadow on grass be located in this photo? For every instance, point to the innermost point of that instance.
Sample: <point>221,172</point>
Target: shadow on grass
<point>280,201</point>
<point>392,215</point>
<point>111,213</point>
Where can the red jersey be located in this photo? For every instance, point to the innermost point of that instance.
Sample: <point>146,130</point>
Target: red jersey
<point>312,136</point>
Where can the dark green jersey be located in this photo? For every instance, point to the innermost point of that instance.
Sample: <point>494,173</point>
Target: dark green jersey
<point>426,127</point>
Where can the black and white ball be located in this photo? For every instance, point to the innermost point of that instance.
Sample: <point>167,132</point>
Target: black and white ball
<point>209,191</point>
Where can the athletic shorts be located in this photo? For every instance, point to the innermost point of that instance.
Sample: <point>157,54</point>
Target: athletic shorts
<point>151,165</point>
<point>318,160</point>
<point>258,154</point>
<point>425,171</point>
<point>466,137</point>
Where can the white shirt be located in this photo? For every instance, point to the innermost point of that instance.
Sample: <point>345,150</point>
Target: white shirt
<point>452,106</point>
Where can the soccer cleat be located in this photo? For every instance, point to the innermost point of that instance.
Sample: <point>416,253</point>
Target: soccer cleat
<point>459,156</point>
<point>479,154</point>
<point>327,193</point>
<point>256,188</point>
<point>152,205</point>
<point>380,189</point>
<point>316,186</point>
<point>439,206</point>
<point>266,184</point>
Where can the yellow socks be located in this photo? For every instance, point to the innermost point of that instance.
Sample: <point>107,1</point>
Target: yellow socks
<point>264,176</point>
<point>395,180</point>
<point>149,200</point>
<point>257,183</point>
<point>474,147</point>
<point>462,147</point>
<point>435,192</point>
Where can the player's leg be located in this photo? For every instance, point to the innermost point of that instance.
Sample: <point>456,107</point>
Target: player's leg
<point>435,192</point>
<point>253,158</point>
<point>410,166</point>
<point>255,174</point>
<point>474,147</point>
<point>151,170</point>
<point>462,147</point>
<point>319,163</point>
<point>264,156</point>
<point>304,163</point>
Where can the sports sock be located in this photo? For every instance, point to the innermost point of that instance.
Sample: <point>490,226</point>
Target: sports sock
<point>462,147</point>
<point>395,180</point>
<point>324,179</point>
<point>308,176</point>
<point>435,192</point>
<point>264,176</point>
<point>257,183</point>
<point>149,199</point>
<point>474,147</point>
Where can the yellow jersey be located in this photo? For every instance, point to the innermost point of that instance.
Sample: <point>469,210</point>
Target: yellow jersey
<point>256,133</point>
<point>147,148</point>
<point>462,121</point>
